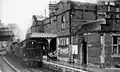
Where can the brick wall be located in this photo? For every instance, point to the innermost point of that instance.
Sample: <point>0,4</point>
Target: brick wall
<point>60,31</point>
<point>63,6</point>
<point>109,60</point>
<point>94,48</point>
<point>76,20</point>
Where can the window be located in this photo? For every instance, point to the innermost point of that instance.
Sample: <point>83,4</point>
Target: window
<point>114,50</point>
<point>108,8</point>
<point>112,3</point>
<point>117,15</point>
<point>119,49</point>
<point>117,21</point>
<point>116,45</point>
<point>115,39</point>
<point>63,41</point>
<point>117,10</point>
<point>111,15</point>
<point>63,21</point>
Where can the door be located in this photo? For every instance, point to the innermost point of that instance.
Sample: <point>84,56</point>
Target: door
<point>84,53</point>
<point>53,45</point>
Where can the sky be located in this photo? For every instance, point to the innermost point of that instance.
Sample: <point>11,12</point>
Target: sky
<point>20,12</point>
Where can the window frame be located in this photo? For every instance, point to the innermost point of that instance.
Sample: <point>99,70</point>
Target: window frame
<point>116,54</point>
<point>63,41</point>
<point>117,9</point>
<point>63,20</point>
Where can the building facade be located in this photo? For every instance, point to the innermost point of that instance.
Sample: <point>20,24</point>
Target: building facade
<point>102,45</point>
<point>67,18</point>
<point>88,33</point>
<point>7,35</point>
<point>15,31</point>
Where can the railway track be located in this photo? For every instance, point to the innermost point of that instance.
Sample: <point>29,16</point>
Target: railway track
<point>11,66</point>
<point>25,69</point>
<point>42,69</point>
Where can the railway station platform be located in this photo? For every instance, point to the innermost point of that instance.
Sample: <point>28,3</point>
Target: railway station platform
<point>61,65</point>
<point>73,67</point>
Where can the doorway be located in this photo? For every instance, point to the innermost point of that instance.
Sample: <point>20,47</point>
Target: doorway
<point>84,52</point>
<point>53,45</point>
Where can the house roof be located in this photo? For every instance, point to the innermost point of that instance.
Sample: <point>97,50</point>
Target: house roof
<point>90,26</point>
<point>43,35</point>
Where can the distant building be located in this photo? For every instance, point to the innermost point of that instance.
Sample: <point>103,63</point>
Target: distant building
<point>15,31</point>
<point>6,36</point>
<point>5,33</point>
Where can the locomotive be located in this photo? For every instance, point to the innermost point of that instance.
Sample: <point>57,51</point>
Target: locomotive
<point>30,52</point>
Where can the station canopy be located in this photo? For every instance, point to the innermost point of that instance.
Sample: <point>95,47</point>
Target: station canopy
<point>42,35</point>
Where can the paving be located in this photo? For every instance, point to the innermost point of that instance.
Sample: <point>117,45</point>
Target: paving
<point>4,67</point>
<point>85,68</point>
<point>14,61</point>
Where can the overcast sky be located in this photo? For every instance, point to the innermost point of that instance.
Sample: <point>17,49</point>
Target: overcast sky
<point>20,11</point>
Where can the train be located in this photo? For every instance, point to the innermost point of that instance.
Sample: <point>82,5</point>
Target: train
<point>34,47</point>
<point>29,51</point>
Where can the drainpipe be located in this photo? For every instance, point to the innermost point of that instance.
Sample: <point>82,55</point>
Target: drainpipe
<point>70,59</point>
<point>102,56</point>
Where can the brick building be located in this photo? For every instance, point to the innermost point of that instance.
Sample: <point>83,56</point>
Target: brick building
<point>87,31</point>
<point>65,19</point>
<point>102,44</point>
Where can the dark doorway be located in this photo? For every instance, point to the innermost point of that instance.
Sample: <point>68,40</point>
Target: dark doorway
<point>53,45</point>
<point>84,52</point>
<point>43,44</point>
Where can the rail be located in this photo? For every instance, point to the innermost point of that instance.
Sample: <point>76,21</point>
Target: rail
<point>14,68</point>
<point>64,67</point>
<point>11,66</point>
